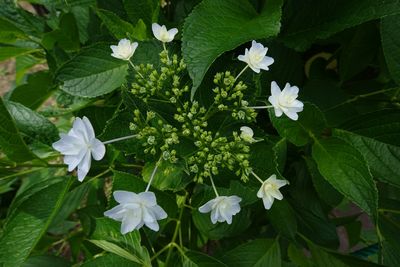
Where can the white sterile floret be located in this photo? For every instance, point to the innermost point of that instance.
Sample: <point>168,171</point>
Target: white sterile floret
<point>79,145</point>
<point>222,208</point>
<point>256,58</point>
<point>269,190</point>
<point>162,34</point>
<point>247,134</point>
<point>124,50</point>
<point>285,101</point>
<point>135,210</point>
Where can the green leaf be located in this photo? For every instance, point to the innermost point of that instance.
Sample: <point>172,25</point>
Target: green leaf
<point>147,10</point>
<point>383,126</point>
<point>7,52</point>
<point>109,260</point>
<point>46,261</point>
<point>194,258</point>
<point>358,53</point>
<point>391,45</point>
<point>323,258</point>
<point>283,218</point>
<point>168,175</point>
<point>215,27</point>
<point>202,221</point>
<point>11,141</point>
<point>120,28</point>
<point>390,231</point>
<point>345,169</point>
<point>93,72</point>
<point>260,252</point>
<point>383,159</point>
<point>311,122</point>
<point>328,18</point>
<point>65,36</point>
<point>324,189</point>
<point>32,124</point>
<point>113,248</point>
<point>30,221</point>
<point>109,231</point>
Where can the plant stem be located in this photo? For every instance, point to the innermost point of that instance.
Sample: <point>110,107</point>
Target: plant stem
<point>213,186</point>
<point>153,174</point>
<point>165,49</point>
<point>120,139</point>
<point>261,107</point>
<point>258,178</point>
<point>240,73</point>
<point>133,66</point>
<point>177,227</point>
<point>361,96</point>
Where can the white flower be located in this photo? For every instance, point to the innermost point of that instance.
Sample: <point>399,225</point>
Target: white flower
<point>247,134</point>
<point>79,145</point>
<point>269,190</point>
<point>162,34</point>
<point>124,50</point>
<point>285,101</point>
<point>135,210</point>
<point>222,208</point>
<point>256,57</point>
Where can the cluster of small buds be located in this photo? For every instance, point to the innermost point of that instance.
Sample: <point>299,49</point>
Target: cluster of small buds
<point>229,96</point>
<point>218,152</point>
<point>191,115</point>
<point>155,135</point>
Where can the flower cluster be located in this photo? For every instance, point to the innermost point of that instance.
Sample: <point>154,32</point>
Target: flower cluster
<point>211,150</point>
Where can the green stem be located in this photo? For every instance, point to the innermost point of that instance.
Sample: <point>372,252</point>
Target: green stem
<point>176,231</point>
<point>361,96</point>
<point>153,174</point>
<point>240,73</point>
<point>213,186</point>
<point>20,173</point>
<point>133,66</point>
<point>165,49</point>
<point>258,178</point>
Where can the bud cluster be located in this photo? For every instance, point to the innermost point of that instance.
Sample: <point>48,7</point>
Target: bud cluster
<point>211,151</point>
<point>155,135</point>
<point>229,96</point>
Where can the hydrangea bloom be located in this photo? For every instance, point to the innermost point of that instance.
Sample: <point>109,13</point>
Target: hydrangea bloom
<point>222,208</point>
<point>285,101</point>
<point>269,190</point>
<point>135,210</point>
<point>124,50</point>
<point>247,134</point>
<point>162,34</point>
<point>79,145</point>
<point>256,58</point>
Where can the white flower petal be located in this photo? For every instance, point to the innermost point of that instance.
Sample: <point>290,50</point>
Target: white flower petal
<point>123,197</point>
<point>268,203</point>
<point>84,166</point>
<point>116,213</point>
<point>207,207</point>
<point>148,198</point>
<point>130,222</point>
<point>172,32</point>
<point>152,225</point>
<point>159,212</point>
<point>98,149</point>
<point>73,160</point>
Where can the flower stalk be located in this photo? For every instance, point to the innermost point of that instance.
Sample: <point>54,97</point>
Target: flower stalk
<point>119,139</point>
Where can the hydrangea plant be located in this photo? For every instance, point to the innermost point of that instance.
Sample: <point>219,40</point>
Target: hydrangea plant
<point>200,133</point>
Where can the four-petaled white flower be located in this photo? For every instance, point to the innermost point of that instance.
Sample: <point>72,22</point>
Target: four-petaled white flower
<point>135,210</point>
<point>79,145</point>
<point>124,50</point>
<point>256,58</point>
<point>269,190</point>
<point>285,101</point>
<point>247,134</point>
<point>222,208</point>
<point>162,34</point>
